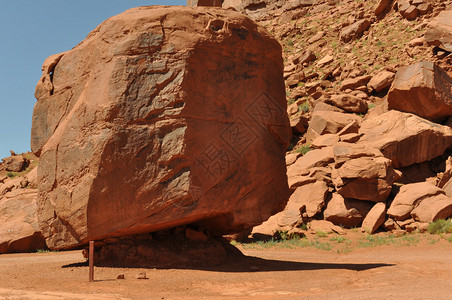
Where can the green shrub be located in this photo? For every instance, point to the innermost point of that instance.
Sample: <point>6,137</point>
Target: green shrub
<point>304,149</point>
<point>440,226</point>
<point>304,107</point>
<point>284,235</point>
<point>321,234</point>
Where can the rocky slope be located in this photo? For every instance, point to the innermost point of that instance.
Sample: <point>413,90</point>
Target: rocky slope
<point>19,229</point>
<point>369,97</point>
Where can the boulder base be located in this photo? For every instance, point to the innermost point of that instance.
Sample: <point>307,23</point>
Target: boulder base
<point>175,248</point>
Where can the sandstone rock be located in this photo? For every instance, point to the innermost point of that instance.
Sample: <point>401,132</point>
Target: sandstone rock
<point>416,42</point>
<point>325,140</point>
<point>292,109</point>
<point>353,83</point>
<point>409,12</point>
<point>297,172</point>
<point>325,226</point>
<point>365,178</point>
<point>381,81</point>
<point>299,123</point>
<point>311,196</point>
<point>355,30</point>
<point>32,178</point>
<point>268,228</point>
<point>10,185</point>
<point>374,218</point>
<point>346,212</point>
<point>294,4</point>
<point>216,3</point>
<point>323,122</point>
<point>404,138</point>
<point>19,230</point>
<point>404,223</point>
<point>316,37</point>
<point>14,163</point>
<point>134,136</point>
<point>433,208</point>
<point>346,151</point>
<point>295,78</point>
<point>321,174</point>
<point>390,225</point>
<point>423,89</point>
<point>322,106</point>
<point>306,57</point>
<point>439,31</point>
<point>409,196</point>
<point>291,158</point>
<point>350,137</point>
<point>424,8</point>
<point>382,7</point>
<point>447,175</point>
<point>325,60</point>
<point>349,103</point>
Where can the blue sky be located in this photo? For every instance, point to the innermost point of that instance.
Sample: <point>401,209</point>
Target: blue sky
<point>30,31</point>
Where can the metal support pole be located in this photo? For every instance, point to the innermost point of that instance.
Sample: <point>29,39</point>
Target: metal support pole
<point>91,261</point>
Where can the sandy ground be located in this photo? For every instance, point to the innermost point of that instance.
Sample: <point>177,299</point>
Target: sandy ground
<point>384,272</point>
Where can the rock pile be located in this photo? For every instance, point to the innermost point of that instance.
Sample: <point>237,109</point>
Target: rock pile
<point>19,229</point>
<point>162,116</point>
<point>349,183</point>
<point>368,130</point>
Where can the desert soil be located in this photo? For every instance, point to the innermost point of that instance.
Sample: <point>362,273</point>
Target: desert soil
<point>421,271</point>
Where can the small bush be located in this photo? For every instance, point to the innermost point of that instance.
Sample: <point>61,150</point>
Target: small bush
<point>440,226</point>
<point>11,174</point>
<point>304,149</point>
<point>321,234</point>
<point>304,107</point>
<point>284,235</point>
<point>338,239</point>
<point>42,251</point>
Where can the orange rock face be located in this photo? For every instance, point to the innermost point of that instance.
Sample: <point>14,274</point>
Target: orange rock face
<point>161,117</point>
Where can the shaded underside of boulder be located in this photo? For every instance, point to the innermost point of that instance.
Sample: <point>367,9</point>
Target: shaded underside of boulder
<point>149,123</point>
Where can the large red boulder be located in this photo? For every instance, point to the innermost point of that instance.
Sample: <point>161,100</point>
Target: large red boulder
<point>423,89</point>
<point>162,116</point>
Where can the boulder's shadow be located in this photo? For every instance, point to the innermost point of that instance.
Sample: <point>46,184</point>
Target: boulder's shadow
<point>255,264</point>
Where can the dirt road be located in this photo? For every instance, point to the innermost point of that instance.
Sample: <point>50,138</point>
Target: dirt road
<point>384,272</point>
